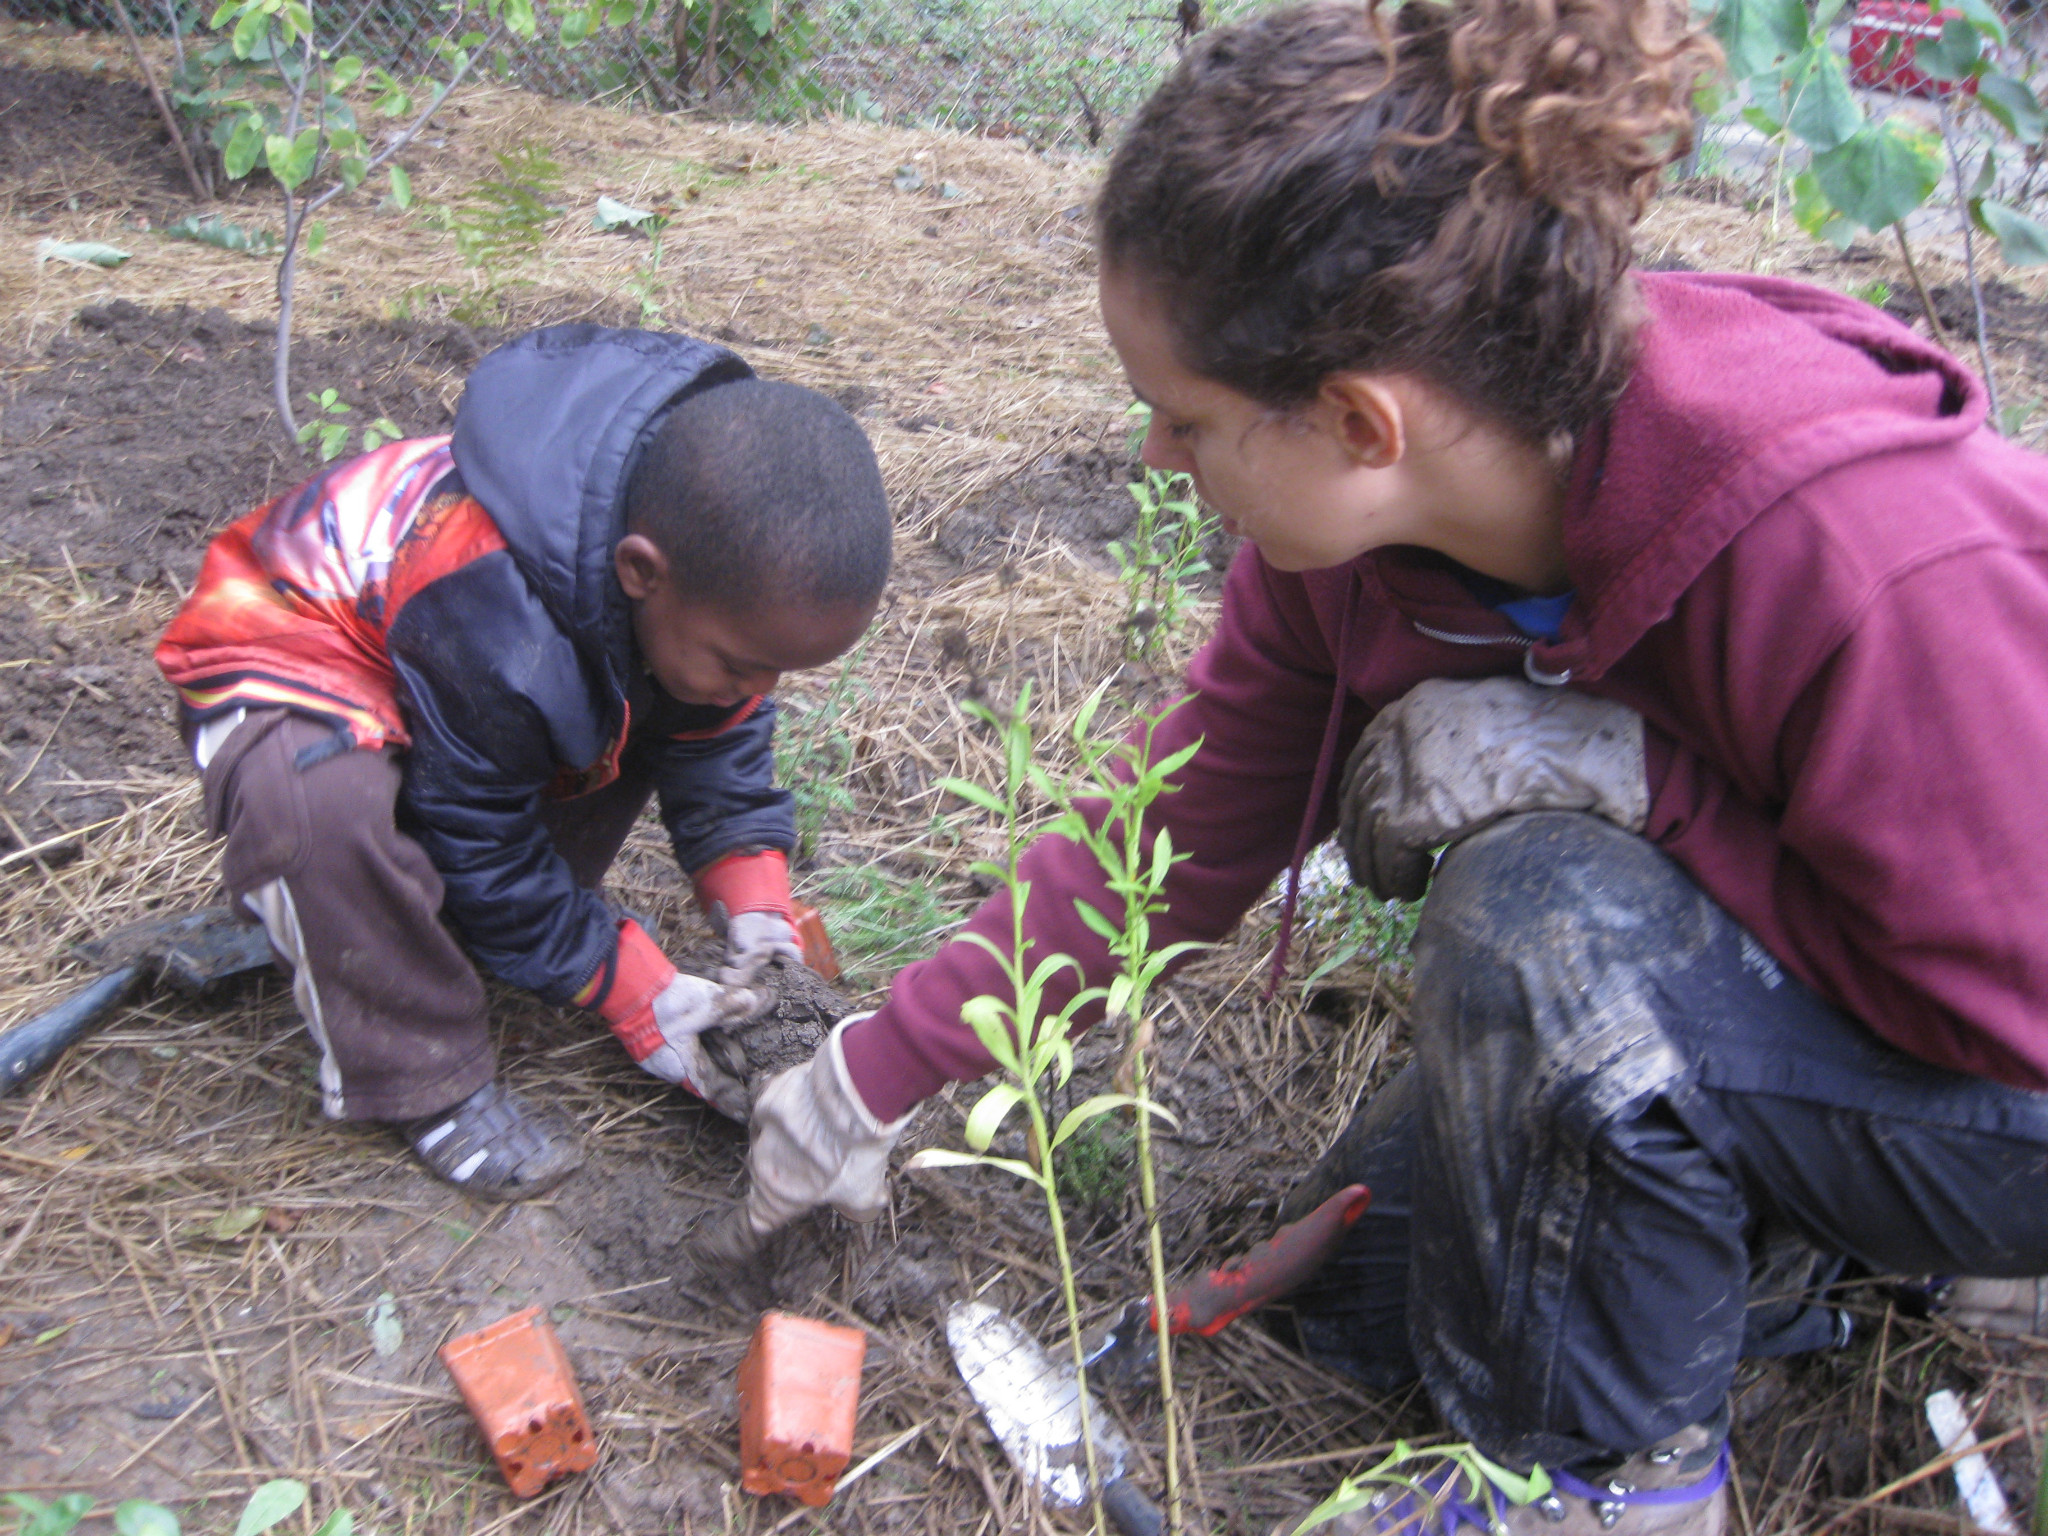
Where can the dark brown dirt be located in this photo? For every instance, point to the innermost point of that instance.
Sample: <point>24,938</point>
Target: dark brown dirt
<point>59,126</point>
<point>126,444</point>
<point>2015,322</point>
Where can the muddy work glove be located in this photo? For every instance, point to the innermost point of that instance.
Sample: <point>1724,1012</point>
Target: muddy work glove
<point>746,897</point>
<point>1449,758</point>
<point>815,1143</point>
<point>660,1014</point>
<point>753,942</point>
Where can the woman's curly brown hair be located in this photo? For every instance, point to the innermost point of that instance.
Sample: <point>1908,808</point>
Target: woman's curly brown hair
<point>1445,188</point>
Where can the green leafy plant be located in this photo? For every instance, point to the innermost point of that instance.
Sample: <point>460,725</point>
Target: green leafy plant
<point>1865,173</point>
<point>1029,1039</point>
<point>1406,1468</point>
<point>212,229</point>
<point>326,427</point>
<point>614,215</point>
<point>1164,552</point>
<point>268,1506</point>
<point>761,45</point>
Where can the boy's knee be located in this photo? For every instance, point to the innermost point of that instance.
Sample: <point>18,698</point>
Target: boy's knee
<point>288,805</point>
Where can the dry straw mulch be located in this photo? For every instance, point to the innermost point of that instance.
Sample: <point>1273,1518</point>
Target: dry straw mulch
<point>190,1258</point>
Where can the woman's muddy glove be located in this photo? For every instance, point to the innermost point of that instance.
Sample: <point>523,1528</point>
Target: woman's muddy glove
<point>659,1013</point>
<point>816,1143</point>
<point>1449,758</point>
<point>753,942</point>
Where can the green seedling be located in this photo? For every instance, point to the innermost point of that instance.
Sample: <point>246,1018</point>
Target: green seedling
<point>211,229</point>
<point>612,214</point>
<point>1492,1487</point>
<point>1028,1037</point>
<point>326,427</point>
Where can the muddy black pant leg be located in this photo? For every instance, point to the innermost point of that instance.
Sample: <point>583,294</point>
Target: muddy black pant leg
<point>353,907</point>
<point>1580,1260</point>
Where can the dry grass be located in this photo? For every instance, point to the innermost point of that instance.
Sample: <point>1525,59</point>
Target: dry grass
<point>151,1344</point>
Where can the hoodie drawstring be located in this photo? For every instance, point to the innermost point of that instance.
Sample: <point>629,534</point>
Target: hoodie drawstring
<point>1332,728</point>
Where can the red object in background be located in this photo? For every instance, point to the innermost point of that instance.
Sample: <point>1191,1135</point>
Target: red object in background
<point>1881,41</point>
<point>515,1377</point>
<point>799,1395</point>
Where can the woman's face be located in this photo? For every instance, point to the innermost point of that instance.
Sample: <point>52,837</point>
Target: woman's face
<point>1311,488</point>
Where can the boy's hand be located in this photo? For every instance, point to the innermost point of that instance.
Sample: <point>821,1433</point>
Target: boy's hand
<point>753,942</point>
<point>815,1143</point>
<point>659,1013</point>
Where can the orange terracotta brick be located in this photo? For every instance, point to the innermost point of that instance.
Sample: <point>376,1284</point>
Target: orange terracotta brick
<point>515,1376</point>
<point>799,1394</point>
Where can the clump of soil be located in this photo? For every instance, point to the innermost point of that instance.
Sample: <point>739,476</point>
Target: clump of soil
<point>803,1013</point>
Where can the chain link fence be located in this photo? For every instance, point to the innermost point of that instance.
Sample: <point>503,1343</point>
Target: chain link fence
<point>1055,73</point>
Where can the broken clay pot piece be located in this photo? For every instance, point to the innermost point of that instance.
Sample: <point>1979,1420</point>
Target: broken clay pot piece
<point>515,1377</point>
<point>799,1392</point>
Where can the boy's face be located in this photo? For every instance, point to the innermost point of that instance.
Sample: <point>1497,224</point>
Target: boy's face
<point>701,653</point>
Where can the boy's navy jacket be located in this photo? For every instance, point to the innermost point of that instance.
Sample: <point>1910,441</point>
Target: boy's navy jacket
<point>455,597</point>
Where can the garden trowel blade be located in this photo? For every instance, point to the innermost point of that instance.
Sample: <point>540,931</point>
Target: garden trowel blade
<point>1033,1403</point>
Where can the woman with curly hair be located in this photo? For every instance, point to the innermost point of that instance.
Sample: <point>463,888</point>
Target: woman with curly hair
<point>1699,621</point>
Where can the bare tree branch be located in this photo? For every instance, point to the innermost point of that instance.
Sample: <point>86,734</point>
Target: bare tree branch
<point>156,94</point>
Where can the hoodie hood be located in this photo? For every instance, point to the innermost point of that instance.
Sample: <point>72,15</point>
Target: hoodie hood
<point>546,437</point>
<point>1703,440</point>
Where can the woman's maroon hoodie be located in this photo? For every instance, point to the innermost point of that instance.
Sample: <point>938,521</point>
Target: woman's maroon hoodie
<point>1802,557</point>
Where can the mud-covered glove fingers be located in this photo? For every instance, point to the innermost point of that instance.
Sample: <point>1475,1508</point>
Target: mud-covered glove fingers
<point>753,942</point>
<point>670,1043</point>
<point>1451,758</point>
<point>815,1143</point>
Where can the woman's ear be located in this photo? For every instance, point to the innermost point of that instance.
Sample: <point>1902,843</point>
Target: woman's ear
<point>642,567</point>
<point>1367,415</point>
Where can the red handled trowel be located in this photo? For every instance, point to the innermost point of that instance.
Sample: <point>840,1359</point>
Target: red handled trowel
<point>1127,1353</point>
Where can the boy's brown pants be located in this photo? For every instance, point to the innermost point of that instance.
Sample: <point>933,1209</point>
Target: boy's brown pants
<point>352,906</point>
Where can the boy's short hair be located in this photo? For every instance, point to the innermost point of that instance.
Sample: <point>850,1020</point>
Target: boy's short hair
<point>757,490</point>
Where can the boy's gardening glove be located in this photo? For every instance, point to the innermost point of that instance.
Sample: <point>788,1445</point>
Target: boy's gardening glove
<point>815,1143</point>
<point>658,1013</point>
<point>746,896</point>
<point>1449,758</point>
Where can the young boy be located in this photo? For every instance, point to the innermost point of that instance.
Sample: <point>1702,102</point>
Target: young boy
<point>438,682</point>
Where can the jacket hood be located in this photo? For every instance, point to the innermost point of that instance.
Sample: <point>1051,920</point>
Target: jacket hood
<point>547,434</point>
<point>1744,389</point>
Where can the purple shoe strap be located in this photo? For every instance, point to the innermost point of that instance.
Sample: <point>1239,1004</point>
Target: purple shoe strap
<point>1691,1493</point>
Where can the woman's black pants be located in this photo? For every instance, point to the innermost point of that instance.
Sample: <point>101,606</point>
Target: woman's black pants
<point>1624,1128</point>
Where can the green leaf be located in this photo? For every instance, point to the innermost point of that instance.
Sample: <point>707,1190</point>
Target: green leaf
<point>340,1523</point>
<point>974,794</point>
<point>1757,34</point>
<point>1952,56</point>
<point>387,1333</point>
<point>239,158</point>
<point>80,253</point>
<point>1880,174</point>
<point>249,31</point>
<point>518,17</point>
<point>1102,1104</point>
<point>2022,241</point>
<point>1763,122</point>
<point>229,1225</point>
<point>316,237</point>
<point>940,1157</point>
<point>139,1517</point>
<point>1981,14</point>
<point>1825,112</point>
<point>347,70</point>
<point>2013,104</point>
<point>226,9</point>
<point>211,229</point>
<point>52,1519</point>
<point>986,1118</point>
<point>299,159</point>
<point>333,438</point>
<point>401,186</point>
<point>275,1501</point>
<point>1097,924</point>
<point>1522,1490</point>
<point>985,1016</point>
<point>576,27</point>
<point>1816,215</point>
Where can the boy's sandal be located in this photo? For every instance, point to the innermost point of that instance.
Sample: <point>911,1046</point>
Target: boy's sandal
<point>495,1147</point>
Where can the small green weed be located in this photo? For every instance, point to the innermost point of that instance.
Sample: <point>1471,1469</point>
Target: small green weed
<point>1876,294</point>
<point>1162,555</point>
<point>326,425</point>
<point>500,221</point>
<point>1095,1166</point>
<point>880,922</point>
<point>269,1505</point>
<point>1345,922</point>
<point>814,750</point>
